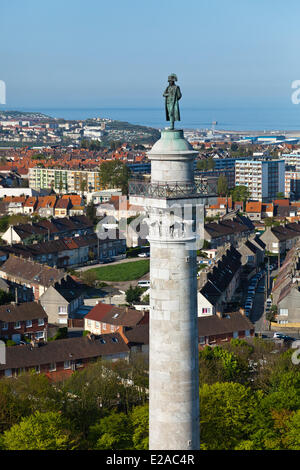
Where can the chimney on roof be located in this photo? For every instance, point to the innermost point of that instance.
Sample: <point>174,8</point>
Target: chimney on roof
<point>219,313</point>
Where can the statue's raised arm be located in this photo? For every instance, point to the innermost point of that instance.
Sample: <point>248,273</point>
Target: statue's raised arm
<point>172,94</point>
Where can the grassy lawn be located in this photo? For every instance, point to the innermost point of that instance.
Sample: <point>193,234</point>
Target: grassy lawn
<point>123,271</point>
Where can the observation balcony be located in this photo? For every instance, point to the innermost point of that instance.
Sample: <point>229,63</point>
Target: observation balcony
<point>171,190</point>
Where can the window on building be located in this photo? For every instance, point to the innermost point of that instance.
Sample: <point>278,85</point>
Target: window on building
<point>4,326</point>
<point>283,311</point>
<point>247,333</point>
<point>202,340</point>
<point>41,322</point>
<point>97,324</point>
<point>17,325</point>
<point>235,334</point>
<point>67,365</point>
<point>28,323</point>
<point>62,309</point>
<point>37,369</point>
<point>8,373</point>
<point>206,310</point>
<point>52,367</point>
<point>104,326</point>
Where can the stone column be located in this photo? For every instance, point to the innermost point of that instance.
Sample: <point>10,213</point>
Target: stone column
<point>173,369</point>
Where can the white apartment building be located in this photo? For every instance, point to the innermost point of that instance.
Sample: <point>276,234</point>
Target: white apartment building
<point>292,183</point>
<point>292,174</point>
<point>264,178</point>
<point>292,159</point>
<point>64,181</point>
<point>93,132</point>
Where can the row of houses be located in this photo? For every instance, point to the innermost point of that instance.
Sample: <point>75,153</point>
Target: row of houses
<point>281,238</point>
<point>286,288</point>
<point>45,206</point>
<point>68,252</point>
<point>52,229</point>
<point>59,359</point>
<point>231,228</point>
<point>219,280</point>
<point>58,293</point>
<point>255,210</point>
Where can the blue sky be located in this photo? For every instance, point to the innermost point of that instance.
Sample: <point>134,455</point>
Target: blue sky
<point>94,53</point>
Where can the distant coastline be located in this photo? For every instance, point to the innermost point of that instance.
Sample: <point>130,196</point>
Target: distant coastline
<point>283,119</point>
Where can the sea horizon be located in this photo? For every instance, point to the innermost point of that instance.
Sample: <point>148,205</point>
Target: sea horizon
<point>282,118</point>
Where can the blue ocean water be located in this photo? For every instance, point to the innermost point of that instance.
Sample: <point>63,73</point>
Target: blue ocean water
<point>228,118</point>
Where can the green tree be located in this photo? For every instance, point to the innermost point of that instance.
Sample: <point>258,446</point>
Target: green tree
<point>280,195</point>
<point>202,164</point>
<point>271,222</point>
<point>114,174</point>
<point>5,297</point>
<point>91,212</point>
<point>83,185</point>
<point>140,423</point>
<point>89,277</point>
<point>41,431</point>
<point>226,414</point>
<point>219,364</point>
<point>240,193</point>
<point>133,294</point>
<point>234,147</point>
<point>222,187</point>
<point>114,432</point>
<point>90,394</point>
<point>210,163</point>
<point>292,436</point>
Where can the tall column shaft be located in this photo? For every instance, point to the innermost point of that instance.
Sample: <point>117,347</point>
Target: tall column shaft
<point>174,388</point>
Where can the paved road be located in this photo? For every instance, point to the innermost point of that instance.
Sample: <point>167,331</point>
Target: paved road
<point>258,317</point>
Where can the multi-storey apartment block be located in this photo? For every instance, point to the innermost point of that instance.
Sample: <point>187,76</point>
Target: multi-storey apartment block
<point>264,178</point>
<point>292,159</point>
<point>292,183</point>
<point>64,181</point>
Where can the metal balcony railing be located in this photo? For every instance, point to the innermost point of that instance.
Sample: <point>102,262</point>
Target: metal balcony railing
<point>171,190</point>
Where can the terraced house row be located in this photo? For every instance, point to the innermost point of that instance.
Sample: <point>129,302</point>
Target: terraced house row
<point>52,229</point>
<point>45,206</point>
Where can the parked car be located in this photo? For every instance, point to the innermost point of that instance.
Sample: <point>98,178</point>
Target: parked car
<point>144,255</point>
<point>106,260</point>
<point>278,335</point>
<point>144,283</point>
